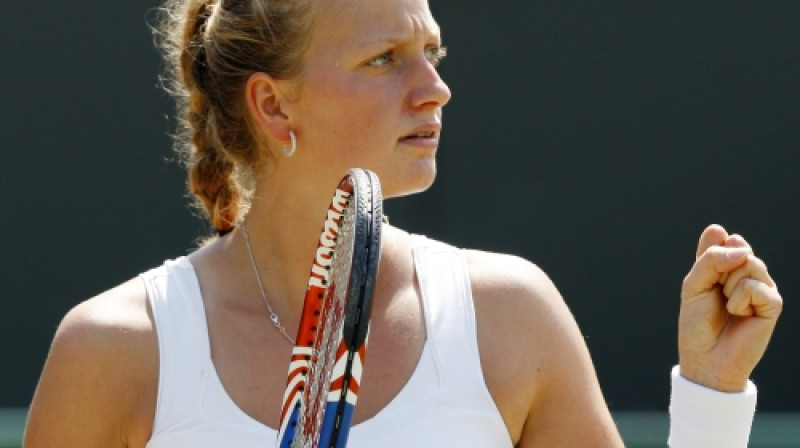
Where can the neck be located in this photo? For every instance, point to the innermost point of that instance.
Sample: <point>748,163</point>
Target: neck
<point>284,223</point>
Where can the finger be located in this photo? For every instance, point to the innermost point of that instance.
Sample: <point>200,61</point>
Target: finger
<point>754,298</point>
<point>710,266</point>
<point>713,235</point>
<point>754,268</point>
<point>734,240</point>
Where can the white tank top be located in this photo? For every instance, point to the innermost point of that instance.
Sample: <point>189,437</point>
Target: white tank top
<point>444,403</point>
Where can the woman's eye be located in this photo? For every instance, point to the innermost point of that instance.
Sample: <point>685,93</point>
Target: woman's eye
<point>382,60</point>
<point>436,54</point>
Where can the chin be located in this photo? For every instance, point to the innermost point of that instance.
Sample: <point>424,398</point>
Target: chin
<point>418,178</point>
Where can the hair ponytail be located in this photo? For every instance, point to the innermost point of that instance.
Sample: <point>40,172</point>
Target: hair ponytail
<point>211,49</point>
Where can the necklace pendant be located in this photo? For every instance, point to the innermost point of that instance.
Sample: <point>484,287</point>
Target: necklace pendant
<point>276,321</point>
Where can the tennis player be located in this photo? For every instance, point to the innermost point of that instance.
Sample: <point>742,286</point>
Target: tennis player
<point>278,98</point>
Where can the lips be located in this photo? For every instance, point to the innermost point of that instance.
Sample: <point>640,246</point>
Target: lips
<point>429,134</point>
<point>425,132</point>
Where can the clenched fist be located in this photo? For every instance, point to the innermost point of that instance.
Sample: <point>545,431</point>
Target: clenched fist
<point>729,308</point>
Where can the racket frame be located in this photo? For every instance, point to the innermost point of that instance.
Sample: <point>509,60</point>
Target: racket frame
<point>360,191</point>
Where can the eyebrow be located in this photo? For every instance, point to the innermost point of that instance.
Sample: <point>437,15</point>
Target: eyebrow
<point>388,41</point>
<point>399,37</point>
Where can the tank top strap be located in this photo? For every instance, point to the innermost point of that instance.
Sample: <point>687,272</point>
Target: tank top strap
<point>449,313</point>
<point>183,345</point>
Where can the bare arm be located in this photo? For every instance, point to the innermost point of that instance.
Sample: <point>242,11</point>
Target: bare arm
<point>538,367</point>
<point>98,385</point>
<point>536,363</point>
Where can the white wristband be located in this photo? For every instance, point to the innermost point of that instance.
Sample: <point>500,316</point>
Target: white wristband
<point>703,417</point>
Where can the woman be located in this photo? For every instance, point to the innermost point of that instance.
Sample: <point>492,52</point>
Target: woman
<point>467,348</point>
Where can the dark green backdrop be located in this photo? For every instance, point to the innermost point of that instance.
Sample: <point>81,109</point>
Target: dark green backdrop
<point>595,138</point>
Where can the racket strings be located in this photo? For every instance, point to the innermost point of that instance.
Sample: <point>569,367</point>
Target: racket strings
<point>327,339</point>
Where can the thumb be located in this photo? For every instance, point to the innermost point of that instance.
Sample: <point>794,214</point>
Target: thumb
<point>713,235</point>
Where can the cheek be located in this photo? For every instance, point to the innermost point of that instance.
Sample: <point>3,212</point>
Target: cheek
<point>351,113</point>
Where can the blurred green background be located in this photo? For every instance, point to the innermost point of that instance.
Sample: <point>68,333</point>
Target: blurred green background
<point>638,429</point>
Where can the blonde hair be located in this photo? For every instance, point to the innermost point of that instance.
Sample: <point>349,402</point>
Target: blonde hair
<point>211,49</point>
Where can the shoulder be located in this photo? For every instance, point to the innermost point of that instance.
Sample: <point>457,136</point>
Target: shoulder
<point>496,276</point>
<point>516,303</point>
<point>116,318</point>
<point>110,337</point>
<point>102,365</point>
<point>516,298</point>
<point>529,343</point>
<point>534,360</point>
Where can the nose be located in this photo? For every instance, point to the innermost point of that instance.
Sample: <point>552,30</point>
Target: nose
<point>430,89</point>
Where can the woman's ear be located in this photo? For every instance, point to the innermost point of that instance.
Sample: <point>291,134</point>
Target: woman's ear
<point>264,99</point>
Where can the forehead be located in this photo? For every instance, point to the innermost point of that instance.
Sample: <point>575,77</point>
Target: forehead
<point>361,23</point>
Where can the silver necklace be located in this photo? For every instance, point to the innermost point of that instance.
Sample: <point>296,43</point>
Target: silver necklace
<point>276,321</point>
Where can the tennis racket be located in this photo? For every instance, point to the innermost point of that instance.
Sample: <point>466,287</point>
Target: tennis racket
<point>328,356</point>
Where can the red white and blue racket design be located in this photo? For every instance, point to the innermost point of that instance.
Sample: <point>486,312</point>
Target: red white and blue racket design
<point>328,356</point>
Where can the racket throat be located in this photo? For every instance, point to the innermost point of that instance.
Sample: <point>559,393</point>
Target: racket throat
<point>344,408</point>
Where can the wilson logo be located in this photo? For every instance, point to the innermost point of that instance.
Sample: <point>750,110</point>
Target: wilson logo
<point>320,270</point>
